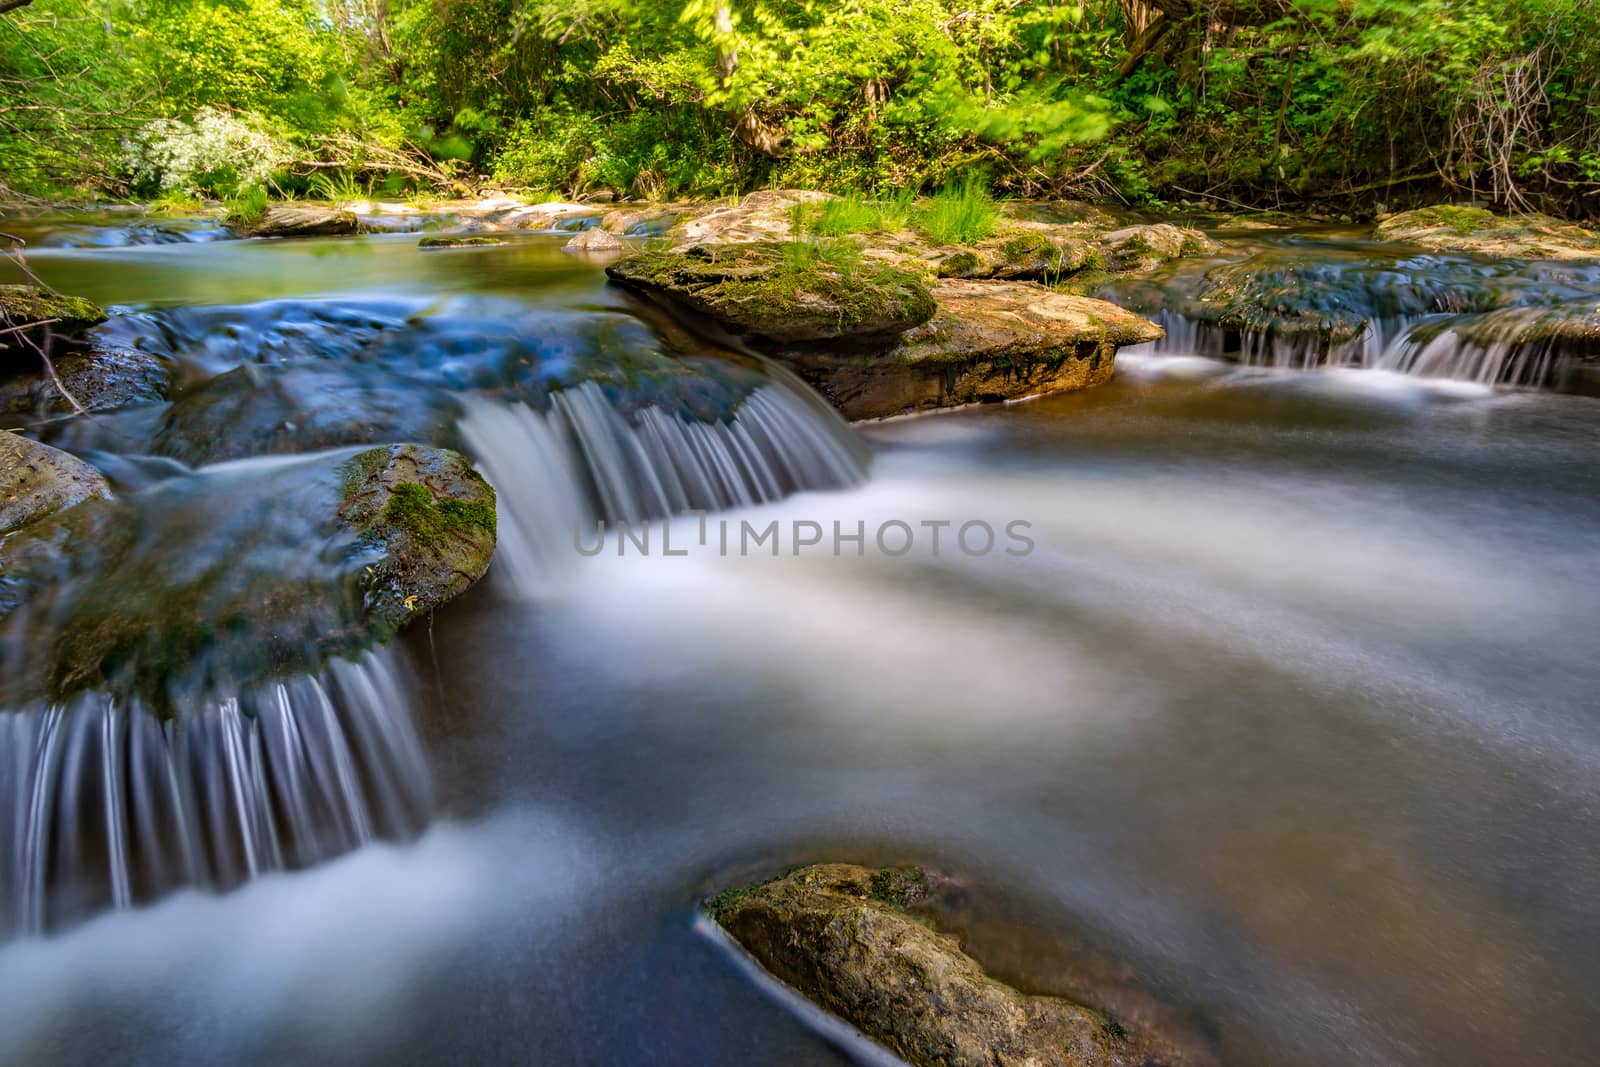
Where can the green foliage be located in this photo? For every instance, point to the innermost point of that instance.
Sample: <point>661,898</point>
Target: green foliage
<point>854,213</point>
<point>962,213</point>
<point>248,206</point>
<point>1496,99</point>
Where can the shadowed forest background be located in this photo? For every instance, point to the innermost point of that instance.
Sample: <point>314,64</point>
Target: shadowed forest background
<point>1330,104</point>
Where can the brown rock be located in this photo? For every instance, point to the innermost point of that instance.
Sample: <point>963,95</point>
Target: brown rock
<point>840,935</point>
<point>594,241</point>
<point>1474,229</point>
<point>37,481</point>
<point>297,220</point>
<point>988,341</point>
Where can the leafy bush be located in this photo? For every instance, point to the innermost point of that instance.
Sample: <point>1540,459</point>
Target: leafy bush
<point>214,154</point>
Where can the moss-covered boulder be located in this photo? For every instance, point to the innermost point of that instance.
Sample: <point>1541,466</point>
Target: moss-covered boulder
<point>1143,248</point>
<point>37,481</point>
<point>1023,255</point>
<point>430,516</point>
<point>783,292</point>
<point>1473,229</point>
<point>211,581</point>
<point>29,312</point>
<point>296,220</point>
<point>989,341</point>
<point>845,938</point>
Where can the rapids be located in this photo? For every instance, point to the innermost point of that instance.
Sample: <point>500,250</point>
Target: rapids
<point>1289,713</point>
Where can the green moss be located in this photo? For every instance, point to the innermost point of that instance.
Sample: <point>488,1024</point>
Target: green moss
<point>898,887</point>
<point>478,514</point>
<point>26,303</point>
<point>960,265</point>
<point>459,241</point>
<point>1026,244</point>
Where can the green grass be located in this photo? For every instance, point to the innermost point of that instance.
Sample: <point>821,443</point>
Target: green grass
<point>959,214</point>
<point>857,213</point>
<point>249,205</point>
<point>336,186</point>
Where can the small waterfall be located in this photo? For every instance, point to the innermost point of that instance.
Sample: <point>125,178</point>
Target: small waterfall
<point>1517,346</point>
<point>582,461</point>
<point>110,806</point>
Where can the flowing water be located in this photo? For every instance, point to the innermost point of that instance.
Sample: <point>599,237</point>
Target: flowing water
<point>1283,732</point>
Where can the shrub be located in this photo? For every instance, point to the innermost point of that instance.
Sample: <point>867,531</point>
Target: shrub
<point>214,154</point>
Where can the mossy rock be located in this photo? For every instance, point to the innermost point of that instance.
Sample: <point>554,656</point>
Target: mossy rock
<point>1446,228</point>
<point>40,311</point>
<point>1144,248</point>
<point>432,518</point>
<point>766,290</point>
<point>459,240</point>
<point>206,583</point>
<point>37,481</point>
<point>1023,255</point>
<point>848,939</point>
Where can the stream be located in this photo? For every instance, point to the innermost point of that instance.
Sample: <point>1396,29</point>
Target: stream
<point>1284,723</point>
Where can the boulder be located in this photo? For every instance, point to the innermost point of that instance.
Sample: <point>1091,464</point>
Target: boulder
<point>765,215</point>
<point>431,518</point>
<point>638,222</point>
<point>37,481</point>
<point>1142,248</point>
<point>101,376</point>
<point>783,293</point>
<point>35,309</point>
<point>297,220</point>
<point>1475,229</point>
<point>1025,255</point>
<point>596,241</point>
<point>303,407</point>
<point>847,939</point>
<point>989,341</point>
<point>228,576</point>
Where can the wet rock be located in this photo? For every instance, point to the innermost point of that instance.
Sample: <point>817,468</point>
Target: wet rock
<point>596,241</point>
<point>431,517</point>
<point>638,222</point>
<point>1142,248</point>
<point>37,481</point>
<point>217,579</point>
<point>101,376</point>
<point>297,220</point>
<point>842,937</point>
<point>1474,229</point>
<point>765,290</point>
<point>459,240</point>
<point>989,341</point>
<point>36,311</point>
<point>306,407</point>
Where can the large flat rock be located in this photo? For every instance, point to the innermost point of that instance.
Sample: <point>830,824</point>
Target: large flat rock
<point>988,341</point>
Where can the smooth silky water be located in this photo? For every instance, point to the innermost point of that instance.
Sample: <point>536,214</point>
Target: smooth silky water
<point>1288,721</point>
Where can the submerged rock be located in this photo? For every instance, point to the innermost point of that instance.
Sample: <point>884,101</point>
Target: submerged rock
<point>297,220</point>
<point>275,410</point>
<point>1474,229</point>
<point>459,240</point>
<point>842,937</point>
<point>220,578</point>
<point>782,293</point>
<point>37,481</point>
<point>988,341</point>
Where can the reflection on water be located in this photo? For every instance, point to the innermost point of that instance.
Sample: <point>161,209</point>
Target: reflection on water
<point>1291,710</point>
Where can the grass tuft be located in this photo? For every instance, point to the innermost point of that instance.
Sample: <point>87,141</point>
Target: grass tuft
<point>960,214</point>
